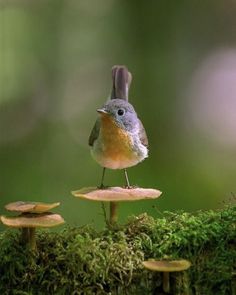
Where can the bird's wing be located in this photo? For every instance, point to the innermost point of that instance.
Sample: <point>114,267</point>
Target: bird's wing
<point>142,134</point>
<point>94,133</point>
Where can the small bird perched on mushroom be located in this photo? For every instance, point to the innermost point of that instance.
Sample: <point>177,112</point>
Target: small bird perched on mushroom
<point>118,139</point>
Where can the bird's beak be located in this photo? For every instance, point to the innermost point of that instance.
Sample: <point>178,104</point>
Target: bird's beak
<point>102,111</point>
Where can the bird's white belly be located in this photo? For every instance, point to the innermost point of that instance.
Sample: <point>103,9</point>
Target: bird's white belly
<point>118,159</point>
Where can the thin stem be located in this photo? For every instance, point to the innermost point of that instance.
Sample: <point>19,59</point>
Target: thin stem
<point>104,213</point>
<point>166,282</point>
<point>113,212</point>
<point>127,179</point>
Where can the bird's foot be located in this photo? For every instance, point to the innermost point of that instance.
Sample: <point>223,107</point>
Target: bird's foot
<point>102,186</point>
<point>130,186</point>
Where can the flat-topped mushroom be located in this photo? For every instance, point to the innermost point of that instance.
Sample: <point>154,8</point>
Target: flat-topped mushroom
<point>32,207</point>
<point>116,194</point>
<point>32,215</point>
<point>31,220</point>
<point>167,266</point>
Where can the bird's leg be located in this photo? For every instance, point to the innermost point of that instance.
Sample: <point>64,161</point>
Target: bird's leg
<point>103,174</point>
<point>127,179</point>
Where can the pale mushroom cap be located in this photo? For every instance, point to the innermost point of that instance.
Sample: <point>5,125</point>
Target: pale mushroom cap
<point>116,194</point>
<point>167,266</point>
<point>33,220</point>
<point>32,207</point>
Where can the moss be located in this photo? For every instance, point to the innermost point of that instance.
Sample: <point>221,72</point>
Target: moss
<point>84,261</point>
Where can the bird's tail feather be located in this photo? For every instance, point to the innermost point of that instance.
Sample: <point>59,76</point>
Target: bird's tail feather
<point>121,79</point>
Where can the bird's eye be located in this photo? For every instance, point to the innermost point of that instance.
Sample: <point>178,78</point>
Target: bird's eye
<point>120,112</point>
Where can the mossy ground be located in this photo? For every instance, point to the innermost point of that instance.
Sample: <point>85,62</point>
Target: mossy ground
<point>84,261</point>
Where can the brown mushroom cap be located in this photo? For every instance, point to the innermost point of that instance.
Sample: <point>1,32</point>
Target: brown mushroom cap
<point>33,220</point>
<point>32,207</point>
<point>167,266</point>
<point>116,194</point>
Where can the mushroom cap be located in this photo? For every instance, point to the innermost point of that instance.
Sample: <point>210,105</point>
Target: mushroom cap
<point>32,207</point>
<point>167,265</point>
<point>116,194</point>
<point>47,219</point>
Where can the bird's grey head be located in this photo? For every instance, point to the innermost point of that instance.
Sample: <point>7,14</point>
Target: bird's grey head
<point>122,112</point>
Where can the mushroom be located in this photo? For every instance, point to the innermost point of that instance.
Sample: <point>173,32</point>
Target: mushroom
<point>32,215</point>
<point>167,266</point>
<point>113,195</point>
<point>32,207</point>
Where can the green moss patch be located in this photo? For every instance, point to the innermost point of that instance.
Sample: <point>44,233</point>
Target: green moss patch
<point>84,261</point>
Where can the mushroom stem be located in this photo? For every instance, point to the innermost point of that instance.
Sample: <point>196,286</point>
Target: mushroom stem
<point>32,240</point>
<point>25,234</point>
<point>113,212</point>
<point>166,282</point>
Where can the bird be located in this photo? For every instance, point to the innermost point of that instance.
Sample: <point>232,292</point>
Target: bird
<point>118,139</point>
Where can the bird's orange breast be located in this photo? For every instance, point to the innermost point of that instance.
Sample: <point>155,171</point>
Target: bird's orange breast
<point>117,143</point>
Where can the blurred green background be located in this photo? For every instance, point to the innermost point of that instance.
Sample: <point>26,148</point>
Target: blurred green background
<point>55,63</point>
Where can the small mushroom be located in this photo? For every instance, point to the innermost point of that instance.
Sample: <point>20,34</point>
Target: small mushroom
<point>32,215</point>
<point>32,207</point>
<point>167,266</point>
<point>115,195</point>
